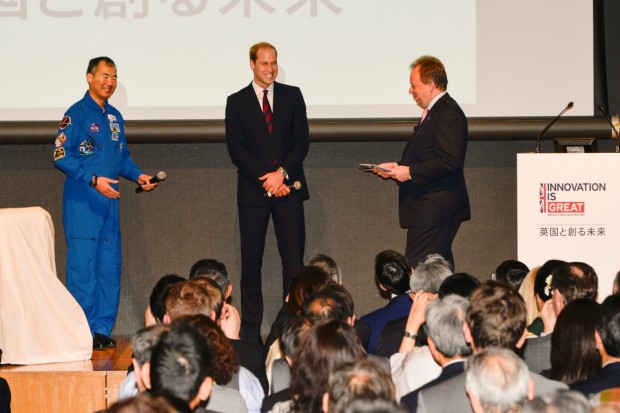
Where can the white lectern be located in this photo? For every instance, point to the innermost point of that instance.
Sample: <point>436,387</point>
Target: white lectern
<point>568,208</point>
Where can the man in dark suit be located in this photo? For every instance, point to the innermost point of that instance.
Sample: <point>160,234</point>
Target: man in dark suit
<point>444,323</point>
<point>392,272</point>
<point>607,337</point>
<point>433,199</point>
<point>267,137</point>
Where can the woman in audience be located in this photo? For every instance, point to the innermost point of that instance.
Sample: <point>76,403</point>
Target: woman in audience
<point>574,356</point>
<point>529,296</point>
<point>327,345</point>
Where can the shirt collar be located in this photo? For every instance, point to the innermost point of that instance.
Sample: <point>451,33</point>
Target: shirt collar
<point>435,99</point>
<point>259,90</point>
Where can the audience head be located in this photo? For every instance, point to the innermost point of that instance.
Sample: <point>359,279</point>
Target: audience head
<point>608,326</point>
<point>157,301</point>
<point>215,270</point>
<point>561,401</point>
<point>142,403</point>
<point>329,265</point>
<point>326,345</point>
<point>364,405</point>
<point>333,302</point>
<point>392,272</point>
<point>200,296</point>
<point>430,272</point>
<point>142,345</point>
<point>460,283</point>
<point>497,381</point>
<point>495,317</point>
<point>542,284</point>
<point>511,272</point>
<point>306,281</point>
<point>225,360</point>
<point>293,330</point>
<point>615,289</point>
<point>574,356</point>
<point>182,365</point>
<point>571,281</point>
<point>362,379</point>
<point>444,326</point>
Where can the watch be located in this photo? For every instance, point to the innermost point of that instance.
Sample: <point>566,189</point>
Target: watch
<point>410,335</point>
<point>283,172</point>
<point>93,181</point>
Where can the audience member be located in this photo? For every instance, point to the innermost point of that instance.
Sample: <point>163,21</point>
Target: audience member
<point>306,281</point>
<point>460,283</point>
<point>292,333</point>
<point>363,379</point>
<point>574,356</point>
<point>427,277</point>
<point>364,405</point>
<point>542,289</point>
<point>157,301</point>
<point>142,403</point>
<point>142,345</point>
<point>534,323</point>
<point>5,396</point>
<point>562,401</point>
<point>392,273</point>
<point>326,345</point>
<point>232,385</point>
<point>495,318</point>
<point>203,296</point>
<point>181,367</point>
<point>329,265</point>
<point>568,282</point>
<point>447,346</point>
<point>511,272</point>
<point>216,271</point>
<point>497,381</point>
<point>607,337</point>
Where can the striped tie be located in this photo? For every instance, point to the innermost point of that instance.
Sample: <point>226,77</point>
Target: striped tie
<point>267,111</point>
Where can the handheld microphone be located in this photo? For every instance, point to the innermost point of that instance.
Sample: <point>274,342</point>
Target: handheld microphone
<point>540,135</point>
<point>160,177</point>
<point>296,186</point>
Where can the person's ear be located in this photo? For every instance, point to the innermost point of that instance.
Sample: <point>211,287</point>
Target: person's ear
<point>228,292</point>
<point>467,333</point>
<point>145,374</point>
<point>325,404</point>
<point>167,320</point>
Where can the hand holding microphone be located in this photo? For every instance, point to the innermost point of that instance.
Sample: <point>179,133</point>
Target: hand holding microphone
<point>160,177</point>
<point>296,186</point>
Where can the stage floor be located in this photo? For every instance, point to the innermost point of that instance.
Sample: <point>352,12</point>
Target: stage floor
<point>81,386</point>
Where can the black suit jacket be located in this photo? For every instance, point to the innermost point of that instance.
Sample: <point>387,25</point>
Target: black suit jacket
<point>250,356</point>
<point>256,152</point>
<point>607,378</point>
<point>410,400</point>
<point>436,193</point>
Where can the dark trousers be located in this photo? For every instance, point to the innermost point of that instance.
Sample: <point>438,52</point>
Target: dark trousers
<point>288,223</point>
<point>422,241</point>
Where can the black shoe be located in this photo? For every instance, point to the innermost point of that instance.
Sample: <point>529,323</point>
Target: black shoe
<point>101,342</point>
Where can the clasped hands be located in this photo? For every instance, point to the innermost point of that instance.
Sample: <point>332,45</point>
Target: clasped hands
<point>273,182</point>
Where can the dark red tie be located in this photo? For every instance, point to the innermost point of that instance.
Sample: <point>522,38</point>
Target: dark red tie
<point>267,111</point>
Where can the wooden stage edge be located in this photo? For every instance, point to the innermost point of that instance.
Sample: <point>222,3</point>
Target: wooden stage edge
<point>80,386</point>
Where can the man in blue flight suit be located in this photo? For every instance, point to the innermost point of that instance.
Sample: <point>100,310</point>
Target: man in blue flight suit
<point>91,149</point>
